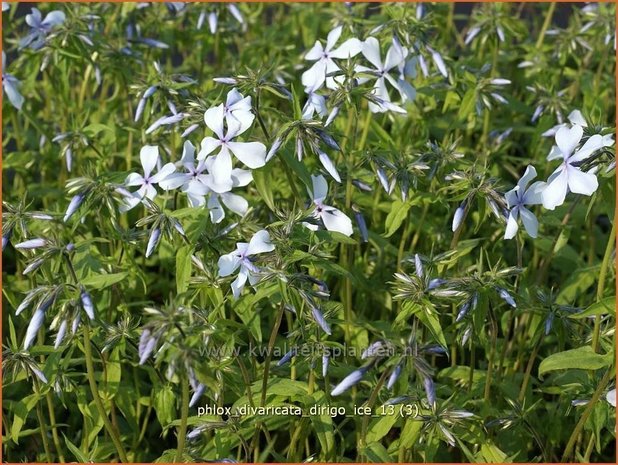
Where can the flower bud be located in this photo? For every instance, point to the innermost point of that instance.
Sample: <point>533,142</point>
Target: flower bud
<point>73,206</point>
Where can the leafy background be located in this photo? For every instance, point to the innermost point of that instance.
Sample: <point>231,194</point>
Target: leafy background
<point>518,379</point>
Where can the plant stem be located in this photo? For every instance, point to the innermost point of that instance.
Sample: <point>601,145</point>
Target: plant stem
<point>528,373</point>
<point>95,394</point>
<point>546,23</point>
<point>545,264</point>
<point>601,286</point>
<point>271,344</point>
<point>609,374</point>
<point>54,428</point>
<point>42,423</point>
<point>492,352</point>
<point>370,402</point>
<point>184,415</point>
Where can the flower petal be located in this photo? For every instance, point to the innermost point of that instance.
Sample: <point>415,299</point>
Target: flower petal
<point>241,178</point>
<point>335,220</point>
<point>580,182</point>
<point>329,166</point>
<point>260,243</point>
<point>314,77</point>
<point>371,51</point>
<point>528,176</point>
<point>320,188</point>
<point>209,144</point>
<point>239,283</point>
<point>556,189</point>
<point>174,181</point>
<point>511,224</point>
<point>213,117</point>
<point>220,178</point>
<point>593,144</point>
<point>315,53</point>
<point>217,214</point>
<point>567,139</point>
<point>530,222</point>
<point>228,264</point>
<point>163,173</point>
<point>252,154</point>
<point>348,49</point>
<point>236,203</point>
<point>149,155</point>
<point>333,37</point>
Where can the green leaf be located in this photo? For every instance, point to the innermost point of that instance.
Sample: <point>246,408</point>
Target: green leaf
<point>410,433</point>
<point>323,427</point>
<point>164,404</point>
<point>101,281</point>
<point>377,453</point>
<point>260,178</point>
<point>297,167</point>
<point>491,453</point>
<point>429,317</point>
<point>583,358</point>
<point>78,454</point>
<point>467,104</point>
<point>183,268</point>
<point>398,213</point>
<point>578,282</point>
<point>380,427</point>
<point>21,411</point>
<point>606,306</point>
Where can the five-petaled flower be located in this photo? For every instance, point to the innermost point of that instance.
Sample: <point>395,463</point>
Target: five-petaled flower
<point>395,59</point>
<point>324,57</point>
<point>252,154</point>
<point>568,177</point>
<point>517,199</point>
<point>242,258</point>
<point>149,156</point>
<point>333,219</point>
<point>40,27</point>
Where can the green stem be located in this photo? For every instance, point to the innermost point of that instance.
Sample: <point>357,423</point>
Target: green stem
<point>370,403</point>
<point>97,400</point>
<point>54,428</point>
<point>546,23</point>
<point>271,344</point>
<point>184,415</point>
<point>601,286</point>
<point>490,363</point>
<point>609,374</point>
<point>42,424</point>
<point>528,373</point>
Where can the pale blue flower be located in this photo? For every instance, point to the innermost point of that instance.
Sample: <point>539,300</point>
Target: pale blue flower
<point>40,27</point>
<point>10,85</point>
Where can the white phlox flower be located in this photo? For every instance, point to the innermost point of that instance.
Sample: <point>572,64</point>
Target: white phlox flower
<point>149,157</point>
<point>324,57</point>
<point>195,182</point>
<point>241,259</point>
<point>568,177</point>
<point>395,57</point>
<point>332,218</point>
<point>518,198</point>
<point>237,121</point>
<point>316,103</point>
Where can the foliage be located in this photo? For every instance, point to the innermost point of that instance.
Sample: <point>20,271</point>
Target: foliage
<point>203,209</point>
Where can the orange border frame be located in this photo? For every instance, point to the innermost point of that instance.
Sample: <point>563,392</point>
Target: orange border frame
<point>313,1</point>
